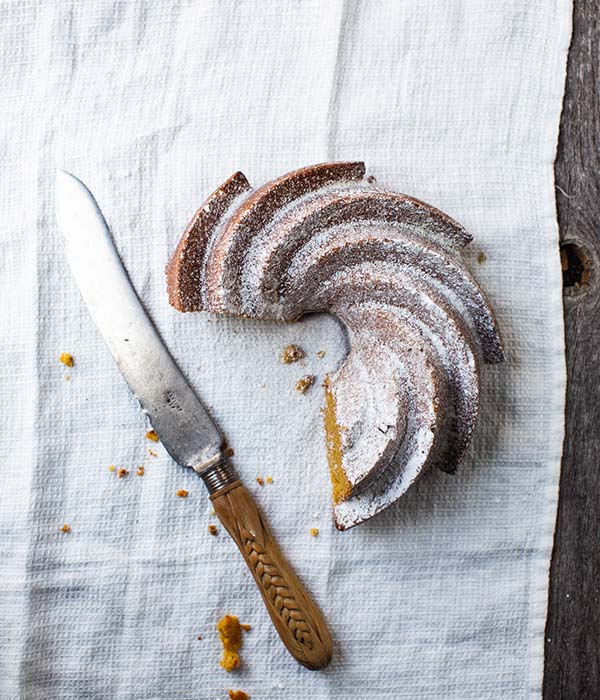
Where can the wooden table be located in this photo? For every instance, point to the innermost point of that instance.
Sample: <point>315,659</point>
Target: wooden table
<point>572,666</point>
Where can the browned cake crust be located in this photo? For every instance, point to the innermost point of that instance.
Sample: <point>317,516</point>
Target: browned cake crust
<point>184,270</point>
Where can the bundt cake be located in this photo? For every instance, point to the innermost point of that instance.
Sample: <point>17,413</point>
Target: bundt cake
<point>327,239</point>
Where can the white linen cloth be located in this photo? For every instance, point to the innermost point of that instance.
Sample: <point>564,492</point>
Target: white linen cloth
<point>153,105</point>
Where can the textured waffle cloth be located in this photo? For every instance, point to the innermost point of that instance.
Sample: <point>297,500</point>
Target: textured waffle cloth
<point>153,105</point>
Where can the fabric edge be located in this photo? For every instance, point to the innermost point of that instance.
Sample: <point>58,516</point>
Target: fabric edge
<point>557,392</point>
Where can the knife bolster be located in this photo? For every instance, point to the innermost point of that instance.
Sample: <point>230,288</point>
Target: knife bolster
<point>218,476</point>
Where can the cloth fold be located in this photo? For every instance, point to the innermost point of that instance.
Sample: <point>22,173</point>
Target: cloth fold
<point>153,105</point>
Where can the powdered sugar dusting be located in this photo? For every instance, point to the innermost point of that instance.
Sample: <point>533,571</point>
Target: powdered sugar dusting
<point>389,267</point>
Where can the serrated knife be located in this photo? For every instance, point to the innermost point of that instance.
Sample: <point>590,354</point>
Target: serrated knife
<point>184,426</point>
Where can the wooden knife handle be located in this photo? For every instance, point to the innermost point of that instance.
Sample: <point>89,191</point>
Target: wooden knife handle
<point>296,617</point>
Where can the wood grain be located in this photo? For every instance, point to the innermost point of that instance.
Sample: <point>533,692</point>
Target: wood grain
<point>296,617</point>
<point>572,662</point>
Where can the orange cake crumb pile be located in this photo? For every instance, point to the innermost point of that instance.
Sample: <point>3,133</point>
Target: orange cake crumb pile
<point>182,493</point>
<point>304,384</point>
<point>67,359</point>
<point>230,634</point>
<point>237,695</point>
<point>291,353</point>
<point>341,485</point>
<point>152,435</point>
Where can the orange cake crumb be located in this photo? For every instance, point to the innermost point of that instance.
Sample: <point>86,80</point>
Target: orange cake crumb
<point>67,359</point>
<point>65,528</point>
<point>304,384</point>
<point>292,353</point>
<point>229,452</point>
<point>321,354</point>
<point>246,627</point>
<point>481,258</point>
<point>212,530</point>
<point>152,435</point>
<point>182,493</point>
<point>200,637</point>
<point>112,468</point>
<point>341,485</point>
<point>260,481</point>
<point>237,695</point>
<point>230,634</point>
<point>314,531</point>
<point>141,470</point>
<point>269,480</point>
<point>122,473</point>
<point>152,453</point>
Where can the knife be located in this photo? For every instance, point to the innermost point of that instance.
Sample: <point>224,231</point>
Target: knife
<point>185,428</point>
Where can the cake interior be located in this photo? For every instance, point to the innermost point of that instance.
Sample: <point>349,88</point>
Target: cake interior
<point>341,487</point>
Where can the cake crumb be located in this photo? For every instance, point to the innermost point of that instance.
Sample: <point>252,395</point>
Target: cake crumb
<point>481,258</point>
<point>65,528</point>
<point>229,452</point>
<point>212,530</point>
<point>122,473</point>
<point>260,481</point>
<point>112,468</point>
<point>245,626</point>
<point>230,634</point>
<point>141,470</point>
<point>292,353</point>
<point>304,384</point>
<point>321,354</point>
<point>67,359</point>
<point>237,695</point>
<point>67,377</point>
<point>152,453</point>
<point>152,435</point>
<point>182,493</point>
<point>212,512</point>
<point>200,637</point>
<point>269,480</point>
<point>314,531</point>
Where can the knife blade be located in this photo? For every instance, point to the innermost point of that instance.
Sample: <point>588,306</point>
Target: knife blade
<point>184,426</point>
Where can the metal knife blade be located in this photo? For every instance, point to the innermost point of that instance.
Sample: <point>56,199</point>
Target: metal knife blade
<point>186,430</point>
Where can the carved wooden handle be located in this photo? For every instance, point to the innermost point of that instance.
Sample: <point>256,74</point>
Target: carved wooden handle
<point>296,617</point>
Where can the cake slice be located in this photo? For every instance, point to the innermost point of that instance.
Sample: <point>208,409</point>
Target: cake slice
<point>389,267</point>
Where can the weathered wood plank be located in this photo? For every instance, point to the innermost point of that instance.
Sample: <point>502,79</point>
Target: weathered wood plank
<point>572,666</point>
